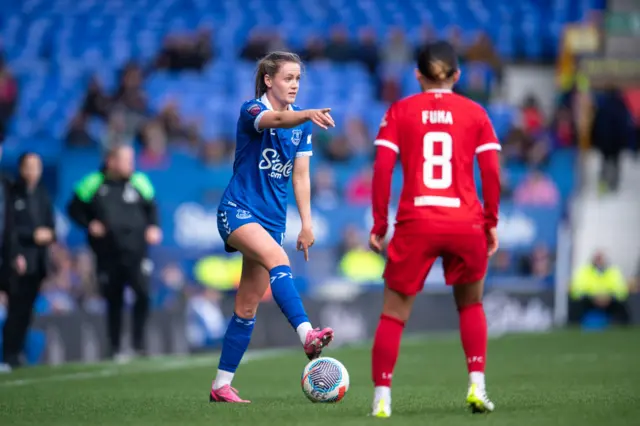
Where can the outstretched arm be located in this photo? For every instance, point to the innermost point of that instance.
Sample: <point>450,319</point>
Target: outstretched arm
<point>289,119</point>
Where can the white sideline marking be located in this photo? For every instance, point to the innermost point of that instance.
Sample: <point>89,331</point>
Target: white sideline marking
<point>155,366</point>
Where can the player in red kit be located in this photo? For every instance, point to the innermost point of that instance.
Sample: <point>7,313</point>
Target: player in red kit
<point>437,134</point>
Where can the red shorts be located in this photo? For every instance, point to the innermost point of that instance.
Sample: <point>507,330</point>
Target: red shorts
<point>411,255</point>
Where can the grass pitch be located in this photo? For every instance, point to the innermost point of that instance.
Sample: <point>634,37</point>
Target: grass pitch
<point>564,378</point>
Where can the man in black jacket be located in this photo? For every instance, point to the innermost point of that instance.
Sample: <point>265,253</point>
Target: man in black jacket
<point>117,208</point>
<point>33,218</point>
<point>11,261</point>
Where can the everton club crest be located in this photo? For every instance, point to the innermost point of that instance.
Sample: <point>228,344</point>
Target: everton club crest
<point>296,136</point>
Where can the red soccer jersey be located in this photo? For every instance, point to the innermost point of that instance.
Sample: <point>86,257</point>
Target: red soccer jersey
<point>437,135</point>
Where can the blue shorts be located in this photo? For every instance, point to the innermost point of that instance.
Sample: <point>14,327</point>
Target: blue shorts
<point>231,218</point>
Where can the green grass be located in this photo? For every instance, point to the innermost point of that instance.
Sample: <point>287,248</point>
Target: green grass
<point>565,378</point>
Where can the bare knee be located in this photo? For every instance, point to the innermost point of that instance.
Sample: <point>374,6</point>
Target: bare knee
<point>468,294</point>
<point>247,303</point>
<point>397,305</point>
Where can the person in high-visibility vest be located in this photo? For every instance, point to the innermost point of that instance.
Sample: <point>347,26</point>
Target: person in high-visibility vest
<point>601,287</point>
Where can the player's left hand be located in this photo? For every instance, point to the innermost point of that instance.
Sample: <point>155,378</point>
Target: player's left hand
<point>305,241</point>
<point>376,243</point>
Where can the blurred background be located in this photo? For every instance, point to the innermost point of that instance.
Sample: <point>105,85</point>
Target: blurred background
<point>168,77</point>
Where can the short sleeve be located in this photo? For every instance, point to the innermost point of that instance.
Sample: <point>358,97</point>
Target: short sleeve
<point>388,132</point>
<point>251,113</point>
<point>487,139</point>
<point>305,148</point>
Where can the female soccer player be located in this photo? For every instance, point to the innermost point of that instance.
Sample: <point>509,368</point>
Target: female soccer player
<point>273,144</point>
<point>437,135</point>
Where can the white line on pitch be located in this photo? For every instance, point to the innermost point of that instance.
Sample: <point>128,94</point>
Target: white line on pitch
<point>154,367</point>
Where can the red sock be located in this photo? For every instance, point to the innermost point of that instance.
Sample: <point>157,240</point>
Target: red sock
<point>386,346</point>
<point>473,333</point>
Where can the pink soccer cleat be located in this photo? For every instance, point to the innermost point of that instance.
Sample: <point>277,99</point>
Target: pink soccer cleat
<point>316,340</point>
<point>226,394</point>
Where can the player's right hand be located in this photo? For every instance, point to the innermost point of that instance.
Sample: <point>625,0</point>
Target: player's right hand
<point>492,241</point>
<point>321,117</point>
<point>96,229</point>
<point>376,243</point>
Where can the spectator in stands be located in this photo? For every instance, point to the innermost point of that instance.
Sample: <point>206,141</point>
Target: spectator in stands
<point>77,134</point>
<point>427,35</point>
<point>610,135</point>
<point>538,190</point>
<point>119,131</point>
<point>215,153</point>
<point>175,129</point>
<point>337,149</point>
<point>482,50</point>
<point>515,146</point>
<point>397,52</point>
<point>340,48</point>
<point>454,36</point>
<point>203,48</point>
<point>8,97</point>
<point>532,118</point>
<point>186,52</point>
<point>96,102</point>
<point>563,128</point>
<point>358,136</point>
<point>168,285</point>
<point>154,154</point>
<point>315,49</point>
<point>88,293</point>
<point>476,87</point>
<point>61,289</point>
<point>131,101</point>
<point>600,286</point>
<point>538,264</point>
<point>359,188</point>
<point>368,50</point>
<point>257,46</point>
<point>500,265</point>
<point>33,216</point>
<point>538,151</point>
<point>357,262</point>
<point>324,190</point>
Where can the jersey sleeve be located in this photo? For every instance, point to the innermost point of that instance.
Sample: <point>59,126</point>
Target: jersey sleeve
<point>305,148</point>
<point>489,162</point>
<point>388,132</point>
<point>487,139</point>
<point>250,115</point>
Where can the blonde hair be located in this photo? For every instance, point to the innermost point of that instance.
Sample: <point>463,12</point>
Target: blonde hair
<point>270,65</point>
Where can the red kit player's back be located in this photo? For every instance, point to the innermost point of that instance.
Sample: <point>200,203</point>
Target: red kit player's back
<point>437,134</point>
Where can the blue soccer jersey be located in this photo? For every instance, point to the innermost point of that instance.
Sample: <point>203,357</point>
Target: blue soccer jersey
<point>262,169</point>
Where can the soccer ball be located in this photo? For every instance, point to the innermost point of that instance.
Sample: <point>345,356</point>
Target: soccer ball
<point>325,380</point>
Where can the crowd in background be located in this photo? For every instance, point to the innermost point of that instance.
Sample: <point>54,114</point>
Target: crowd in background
<point>529,141</point>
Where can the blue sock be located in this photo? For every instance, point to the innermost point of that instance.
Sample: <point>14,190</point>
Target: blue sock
<point>286,295</point>
<point>235,343</point>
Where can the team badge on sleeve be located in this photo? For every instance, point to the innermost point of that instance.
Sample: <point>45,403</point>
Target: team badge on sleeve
<point>254,109</point>
<point>296,136</point>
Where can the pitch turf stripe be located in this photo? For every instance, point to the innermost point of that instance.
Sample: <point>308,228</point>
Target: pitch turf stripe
<point>154,366</point>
